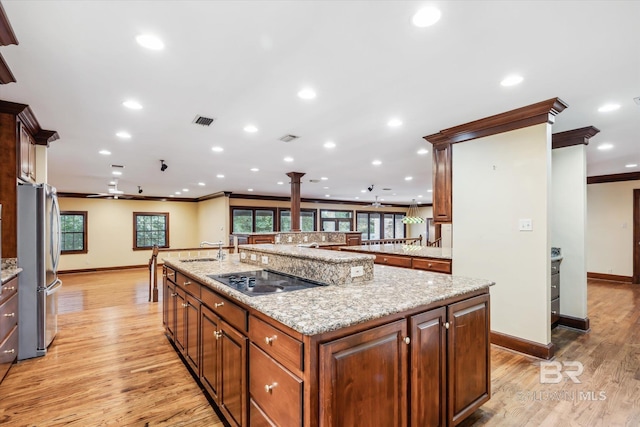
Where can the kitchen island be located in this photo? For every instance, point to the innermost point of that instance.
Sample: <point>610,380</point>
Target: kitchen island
<point>405,348</point>
<point>409,256</point>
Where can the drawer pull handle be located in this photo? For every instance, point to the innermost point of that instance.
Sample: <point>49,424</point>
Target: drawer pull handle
<point>217,334</point>
<point>10,315</point>
<point>174,294</point>
<point>269,388</point>
<point>10,351</point>
<point>185,305</point>
<point>164,275</point>
<point>9,288</point>
<point>384,259</point>
<point>218,304</point>
<point>187,283</point>
<point>430,265</point>
<point>170,274</point>
<point>554,312</point>
<point>446,325</point>
<point>270,340</point>
<point>554,287</point>
<point>407,340</point>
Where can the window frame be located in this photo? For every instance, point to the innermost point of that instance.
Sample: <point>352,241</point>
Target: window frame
<point>381,230</point>
<point>337,221</point>
<point>135,230</point>
<point>254,209</point>
<point>85,238</point>
<point>314,212</point>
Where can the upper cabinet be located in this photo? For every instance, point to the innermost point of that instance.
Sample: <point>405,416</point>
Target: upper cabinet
<point>442,193</point>
<point>27,161</point>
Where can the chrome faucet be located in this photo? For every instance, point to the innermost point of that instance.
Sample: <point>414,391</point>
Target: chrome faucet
<point>220,255</point>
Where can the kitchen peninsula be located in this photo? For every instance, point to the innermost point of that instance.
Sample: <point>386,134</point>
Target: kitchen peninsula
<point>404,347</point>
<point>409,256</point>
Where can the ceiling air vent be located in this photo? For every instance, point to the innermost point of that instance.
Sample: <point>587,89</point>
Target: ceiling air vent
<point>117,166</point>
<point>203,121</point>
<point>288,138</point>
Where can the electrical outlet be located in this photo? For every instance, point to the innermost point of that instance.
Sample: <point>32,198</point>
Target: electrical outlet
<point>243,255</point>
<point>253,257</point>
<point>277,239</point>
<point>324,238</point>
<point>526,224</point>
<point>265,259</point>
<point>289,239</point>
<point>357,271</point>
<point>305,238</point>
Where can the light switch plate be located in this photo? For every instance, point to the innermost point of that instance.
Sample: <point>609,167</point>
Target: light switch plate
<point>306,238</point>
<point>253,257</point>
<point>357,271</point>
<point>265,259</point>
<point>289,239</point>
<point>243,255</point>
<point>526,224</point>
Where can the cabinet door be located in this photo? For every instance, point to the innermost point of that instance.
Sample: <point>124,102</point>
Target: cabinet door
<point>428,368</point>
<point>468,356</point>
<point>27,155</point>
<point>442,183</point>
<point>209,366</point>
<point>363,378</point>
<point>179,333</point>
<point>233,375</point>
<point>170,297</point>
<point>192,332</point>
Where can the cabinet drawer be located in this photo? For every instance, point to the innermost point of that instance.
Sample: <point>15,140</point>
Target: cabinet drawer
<point>275,390</point>
<point>555,267</point>
<point>555,310</point>
<point>8,289</point>
<point>8,351</point>
<point>277,344</point>
<point>229,311</point>
<point>8,316</point>
<point>439,266</point>
<point>171,274</point>
<point>188,284</point>
<point>555,286</point>
<point>396,261</point>
<point>257,418</point>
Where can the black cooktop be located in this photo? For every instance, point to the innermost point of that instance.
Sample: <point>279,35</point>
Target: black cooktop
<point>262,282</point>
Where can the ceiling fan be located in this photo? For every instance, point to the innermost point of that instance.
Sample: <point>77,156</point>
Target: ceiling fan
<point>377,204</point>
<point>112,193</point>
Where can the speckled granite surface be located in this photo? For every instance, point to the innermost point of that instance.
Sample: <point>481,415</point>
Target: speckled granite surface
<point>411,250</point>
<point>330,267</point>
<point>328,308</point>
<point>9,269</point>
<point>330,237</point>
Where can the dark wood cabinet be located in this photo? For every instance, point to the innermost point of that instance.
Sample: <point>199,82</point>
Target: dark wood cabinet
<point>363,378</point>
<point>254,239</point>
<point>27,162</point>
<point>442,183</point>
<point>209,363</point>
<point>8,325</point>
<point>353,238</point>
<point>555,293</point>
<point>192,332</point>
<point>393,260</point>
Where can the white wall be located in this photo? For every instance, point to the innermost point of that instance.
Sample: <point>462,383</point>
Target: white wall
<point>110,230</point>
<point>610,228</point>
<point>213,220</point>
<point>498,180</point>
<point>568,226</point>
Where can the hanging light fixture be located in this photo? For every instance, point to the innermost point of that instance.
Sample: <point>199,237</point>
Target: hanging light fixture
<point>412,216</point>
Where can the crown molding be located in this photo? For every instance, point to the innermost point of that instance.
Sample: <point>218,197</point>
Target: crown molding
<point>573,137</point>
<point>616,177</point>
<point>6,76</point>
<point>7,36</point>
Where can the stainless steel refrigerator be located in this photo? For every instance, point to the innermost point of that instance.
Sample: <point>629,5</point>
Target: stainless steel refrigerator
<point>38,256</point>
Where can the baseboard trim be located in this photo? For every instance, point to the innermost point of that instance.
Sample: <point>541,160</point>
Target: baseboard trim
<point>575,323</point>
<point>90,270</point>
<point>610,277</point>
<point>522,345</point>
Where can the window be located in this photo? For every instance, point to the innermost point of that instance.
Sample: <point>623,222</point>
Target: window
<point>73,232</point>
<point>307,220</point>
<point>377,225</point>
<point>252,220</point>
<point>150,229</point>
<point>336,220</point>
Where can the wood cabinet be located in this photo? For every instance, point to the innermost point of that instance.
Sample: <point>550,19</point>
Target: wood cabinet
<point>437,265</point>
<point>8,325</point>
<point>254,239</point>
<point>442,183</point>
<point>393,260</point>
<point>27,162</point>
<point>429,264</point>
<point>353,238</point>
<point>555,293</point>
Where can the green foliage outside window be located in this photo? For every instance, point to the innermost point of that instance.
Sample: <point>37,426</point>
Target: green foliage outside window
<point>72,232</point>
<point>151,229</point>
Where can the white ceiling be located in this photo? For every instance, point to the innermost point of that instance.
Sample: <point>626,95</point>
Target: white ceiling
<point>243,62</point>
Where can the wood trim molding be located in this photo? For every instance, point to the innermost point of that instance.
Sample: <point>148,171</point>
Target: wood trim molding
<point>7,36</point>
<point>295,199</point>
<point>617,177</point>
<point>575,323</point>
<point>127,197</point>
<point>6,76</point>
<point>573,137</point>
<point>318,201</point>
<point>523,346</point>
<point>541,112</point>
<point>636,236</point>
<point>96,269</point>
<point>29,121</point>
<point>213,196</point>
<point>610,277</point>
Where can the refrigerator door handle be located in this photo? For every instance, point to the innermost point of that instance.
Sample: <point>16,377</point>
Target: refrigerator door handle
<point>54,288</point>
<point>55,228</point>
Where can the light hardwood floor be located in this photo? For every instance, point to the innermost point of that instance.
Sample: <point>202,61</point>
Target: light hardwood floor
<point>111,365</point>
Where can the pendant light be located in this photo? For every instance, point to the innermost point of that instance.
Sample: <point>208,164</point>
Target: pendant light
<point>412,216</point>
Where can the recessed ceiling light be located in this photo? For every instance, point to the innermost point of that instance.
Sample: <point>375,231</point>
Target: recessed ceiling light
<point>329,144</point>
<point>419,196</point>
<point>423,151</point>
<point>376,163</point>
<point>116,173</point>
<point>219,176</point>
<point>150,42</point>
<point>178,193</point>
<point>249,189</point>
<point>132,104</point>
<point>280,183</point>
<point>605,146</point>
<point>394,123</point>
<point>250,128</point>
<point>512,80</point>
<point>254,169</point>
<point>363,191</point>
<point>307,93</point>
<point>185,190</point>
<point>325,188</point>
<point>408,178</point>
<point>327,195</point>
<point>112,182</point>
<point>123,135</point>
<point>217,149</point>
<point>288,159</point>
<point>426,17</point>
<point>429,191</point>
<point>171,195</point>
<point>324,178</point>
<point>105,152</point>
<point>631,165</point>
<point>608,107</point>
<point>357,198</point>
<point>201,184</point>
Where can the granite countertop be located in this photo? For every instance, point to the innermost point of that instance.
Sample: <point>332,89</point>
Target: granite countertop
<point>308,253</point>
<point>10,273</point>
<point>409,250</point>
<point>327,308</point>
